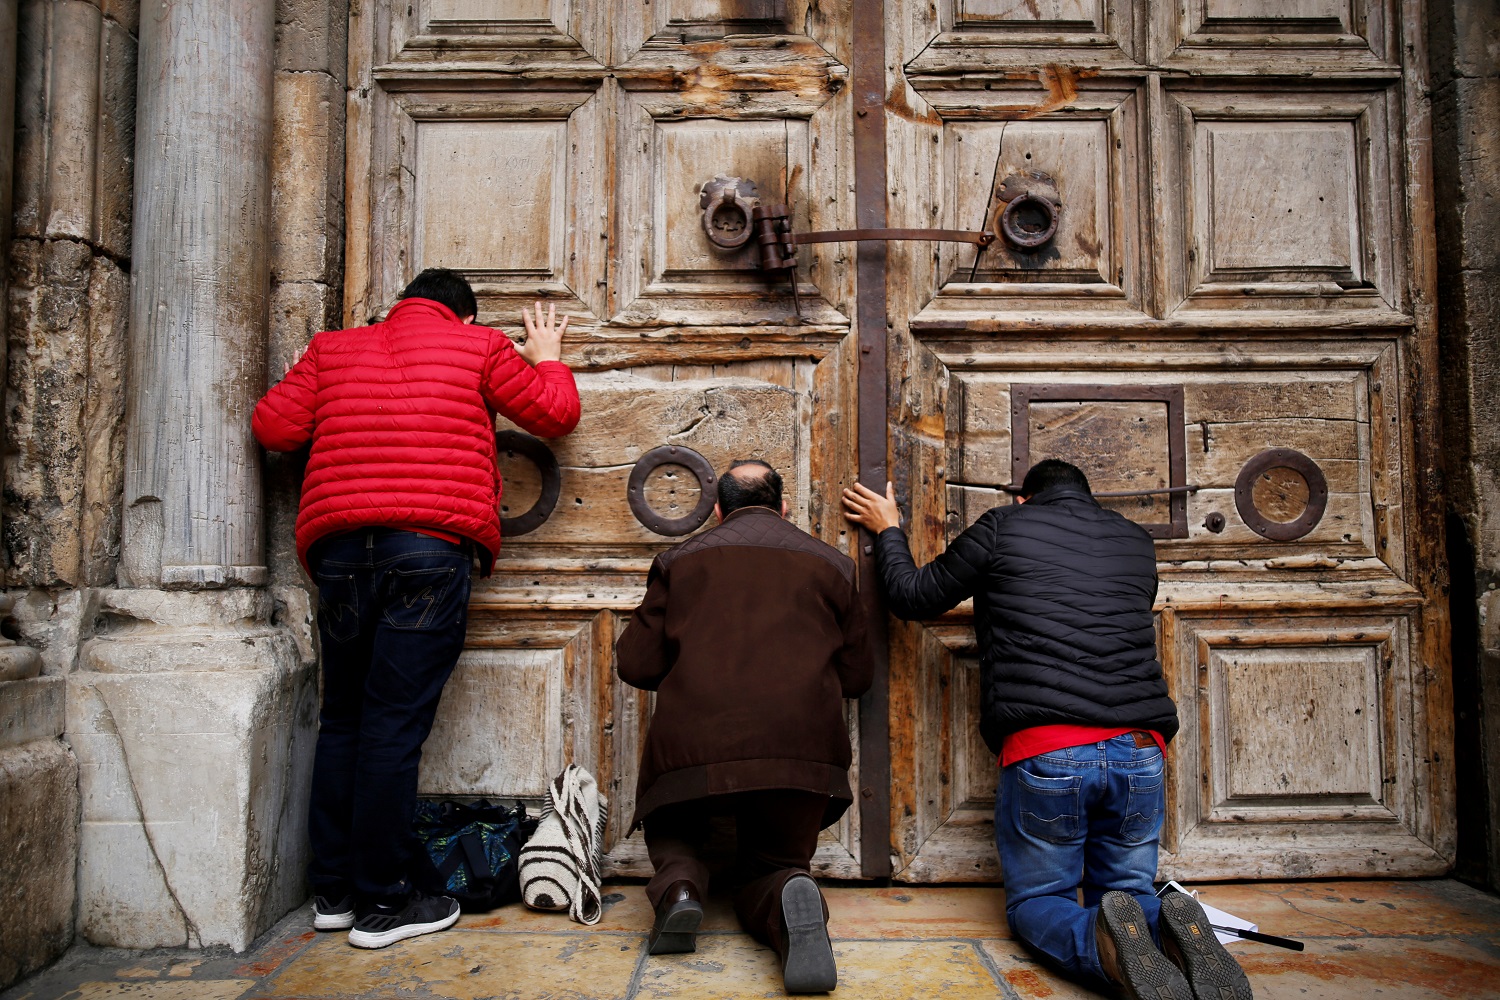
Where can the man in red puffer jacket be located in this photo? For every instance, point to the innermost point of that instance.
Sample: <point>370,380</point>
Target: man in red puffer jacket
<point>402,490</point>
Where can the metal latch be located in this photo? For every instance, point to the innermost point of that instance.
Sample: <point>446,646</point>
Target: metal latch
<point>733,215</point>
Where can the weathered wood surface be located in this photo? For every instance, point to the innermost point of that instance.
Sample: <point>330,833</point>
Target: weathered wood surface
<point>1258,251</point>
<point>1254,241</point>
<point>201,277</point>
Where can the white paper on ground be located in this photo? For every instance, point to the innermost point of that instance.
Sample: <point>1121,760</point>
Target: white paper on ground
<point>1215,915</point>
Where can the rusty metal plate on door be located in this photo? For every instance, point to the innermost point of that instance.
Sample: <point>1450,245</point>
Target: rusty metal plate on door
<point>672,455</point>
<point>537,452</point>
<point>1311,479</point>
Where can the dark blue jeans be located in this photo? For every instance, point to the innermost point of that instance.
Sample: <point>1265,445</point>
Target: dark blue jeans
<point>1087,816</point>
<point>392,609</point>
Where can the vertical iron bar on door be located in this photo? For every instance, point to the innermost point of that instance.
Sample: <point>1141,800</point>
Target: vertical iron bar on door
<point>868,73</point>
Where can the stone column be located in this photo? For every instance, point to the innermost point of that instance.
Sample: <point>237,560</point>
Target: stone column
<point>200,301</point>
<point>192,711</point>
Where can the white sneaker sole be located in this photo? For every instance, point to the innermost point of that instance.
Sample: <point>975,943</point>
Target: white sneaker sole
<point>366,939</point>
<point>333,921</point>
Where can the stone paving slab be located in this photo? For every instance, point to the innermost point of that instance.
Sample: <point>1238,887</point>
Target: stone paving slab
<point>1414,940</point>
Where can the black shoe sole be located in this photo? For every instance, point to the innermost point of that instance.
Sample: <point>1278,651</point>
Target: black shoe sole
<point>676,931</point>
<point>809,965</point>
<point>1145,972</point>
<point>1211,970</point>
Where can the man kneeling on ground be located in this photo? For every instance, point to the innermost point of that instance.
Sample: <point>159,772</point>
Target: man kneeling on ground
<point>1075,704</point>
<point>751,634</point>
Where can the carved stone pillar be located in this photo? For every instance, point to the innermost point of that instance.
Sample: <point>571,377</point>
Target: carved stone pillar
<point>190,711</point>
<point>200,302</point>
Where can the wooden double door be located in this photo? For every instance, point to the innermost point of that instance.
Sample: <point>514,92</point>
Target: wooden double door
<point>1210,287</point>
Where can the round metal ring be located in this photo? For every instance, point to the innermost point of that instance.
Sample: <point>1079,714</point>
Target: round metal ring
<point>672,454</point>
<point>1010,226</point>
<point>1317,494</point>
<point>546,463</point>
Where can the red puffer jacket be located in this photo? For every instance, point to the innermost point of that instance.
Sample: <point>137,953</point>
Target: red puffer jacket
<point>401,419</point>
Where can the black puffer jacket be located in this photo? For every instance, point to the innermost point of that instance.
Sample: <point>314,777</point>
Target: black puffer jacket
<point>1062,594</point>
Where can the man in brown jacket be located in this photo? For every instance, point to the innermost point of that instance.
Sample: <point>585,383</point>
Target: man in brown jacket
<point>751,634</point>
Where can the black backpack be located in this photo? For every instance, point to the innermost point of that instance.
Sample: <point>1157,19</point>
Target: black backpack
<point>470,851</point>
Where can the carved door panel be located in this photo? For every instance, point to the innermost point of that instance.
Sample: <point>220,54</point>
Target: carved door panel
<point>567,150</point>
<point>1233,310</point>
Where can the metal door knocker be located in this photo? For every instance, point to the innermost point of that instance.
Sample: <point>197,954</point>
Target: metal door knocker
<point>672,455</point>
<point>727,203</point>
<point>1027,210</point>
<point>1260,521</point>
<point>534,449</point>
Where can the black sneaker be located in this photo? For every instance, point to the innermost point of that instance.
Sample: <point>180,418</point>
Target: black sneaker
<point>333,914</point>
<point>385,925</point>
<point>1129,956</point>
<point>808,965</point>
<point>1189,940</point>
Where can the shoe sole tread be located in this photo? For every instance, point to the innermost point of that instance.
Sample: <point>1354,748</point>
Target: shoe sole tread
<point>1147,973</point>
<point>678,932</point>
<point>1210,969</point>
<point>809,966</point>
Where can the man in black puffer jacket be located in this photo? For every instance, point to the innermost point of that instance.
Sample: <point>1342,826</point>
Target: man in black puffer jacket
<point>1075,705</point>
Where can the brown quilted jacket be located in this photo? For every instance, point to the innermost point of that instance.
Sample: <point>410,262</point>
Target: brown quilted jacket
<point>751,634</point>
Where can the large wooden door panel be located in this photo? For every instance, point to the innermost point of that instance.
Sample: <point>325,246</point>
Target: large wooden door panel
<point>560,149</point>
<point>1229,311</point>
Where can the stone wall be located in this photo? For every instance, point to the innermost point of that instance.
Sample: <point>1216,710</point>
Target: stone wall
<point>70,291</point>
<point>1464,40</point>
<point>176,801</point>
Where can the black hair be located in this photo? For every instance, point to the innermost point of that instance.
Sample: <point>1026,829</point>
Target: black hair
<point>1050,472</point>
<point>446,286</point>
<point>753,491</point>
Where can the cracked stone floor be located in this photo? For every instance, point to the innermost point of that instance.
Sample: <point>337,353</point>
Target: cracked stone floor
<point>1408,940</point>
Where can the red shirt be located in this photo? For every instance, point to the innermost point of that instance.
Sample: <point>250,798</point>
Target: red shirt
<point>1044,739</point>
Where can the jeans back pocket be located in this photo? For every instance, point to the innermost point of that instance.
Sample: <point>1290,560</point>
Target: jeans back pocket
<point>338,607</point>
<point>1049,808</point>
<point>1143,808</point>
<point>416,595</point>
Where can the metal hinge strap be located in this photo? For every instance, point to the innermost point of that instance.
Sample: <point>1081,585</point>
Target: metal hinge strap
<point>982,239</point>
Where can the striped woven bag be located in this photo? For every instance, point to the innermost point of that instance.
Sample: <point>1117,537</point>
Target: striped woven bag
<point>560,866</point>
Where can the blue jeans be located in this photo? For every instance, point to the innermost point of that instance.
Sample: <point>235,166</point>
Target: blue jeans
<point>392,610</point>
<point>1087,816</point>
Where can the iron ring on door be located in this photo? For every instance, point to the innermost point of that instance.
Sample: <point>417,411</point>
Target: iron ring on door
<point>1317,494</point>
<point>648,463</point>
<point>546,463</point>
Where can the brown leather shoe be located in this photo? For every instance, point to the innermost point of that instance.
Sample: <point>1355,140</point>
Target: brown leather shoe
<point>1188,939</point>
<point>677,920</point>
<point>1129,956</point>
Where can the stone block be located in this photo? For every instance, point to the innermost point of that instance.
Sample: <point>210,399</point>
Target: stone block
<point>194,784</point>
<point>306,176</point>
<point>103,425</point>
<point>298,311</point>
<point>31,119</point>
<point>1476,108</point>
<point>66,336</point>
<point>47,360</point>
<point>39,828</point>
<point>51,622</point>
<point>31,710</point>
<point>18,663</point>
<point>125,13</point>
<point>74,44</point>
<point>312,35</point>
<point>116,141</point>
